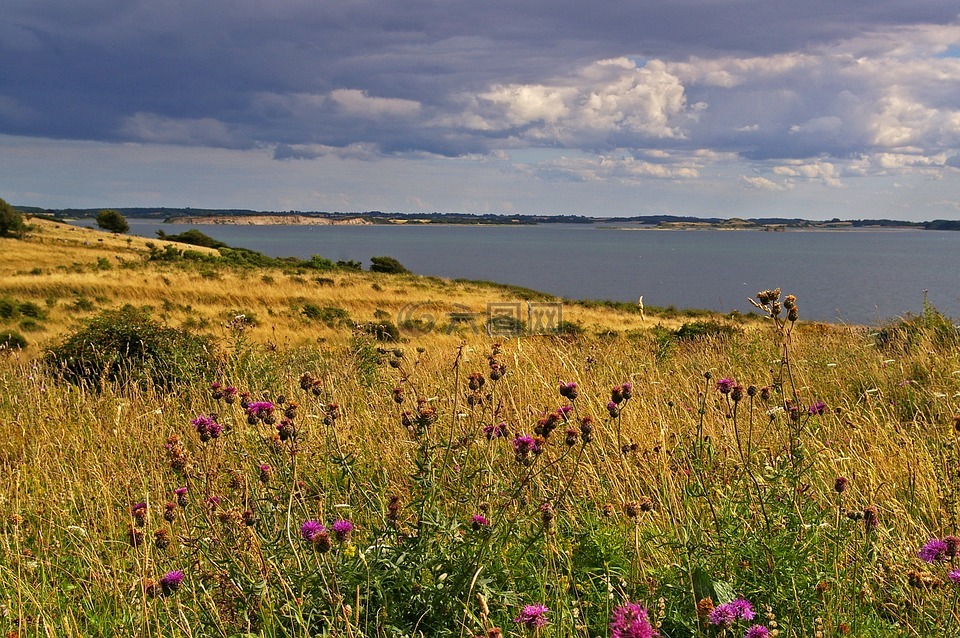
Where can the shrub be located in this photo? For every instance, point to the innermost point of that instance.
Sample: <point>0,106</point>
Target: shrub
<point>11,340</point>
<point>30,309</point>
<point>911,331</point>
<point>330,315</point>
<point>127,345</point>
<point>11,221</point>
<point>382,330</point>
<point>193,237</point>
<point>8,308</point>
<point>387,265</point>
<point>703,330</point>
<point>113,221</point>
<point>30,325</point>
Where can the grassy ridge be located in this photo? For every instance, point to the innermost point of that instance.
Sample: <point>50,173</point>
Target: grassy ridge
<point>712,476</point>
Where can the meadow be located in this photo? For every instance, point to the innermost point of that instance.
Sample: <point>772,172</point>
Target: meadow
<point>283,449</point>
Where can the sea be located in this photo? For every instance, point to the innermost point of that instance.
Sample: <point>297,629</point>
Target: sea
<point>853,276</point>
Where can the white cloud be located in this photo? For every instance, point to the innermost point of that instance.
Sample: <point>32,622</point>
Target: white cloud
<point>763,184</point>
<point>157,129</point>
<point>358,103</point>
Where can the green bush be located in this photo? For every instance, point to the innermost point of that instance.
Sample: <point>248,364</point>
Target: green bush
<point>113,221</point>
<point>11,221</point>
<point>704,329</point>
<point>382,330</point>
<point>387,265</point>
<point>8,308</point>
<point>11,340</point>
<point>32,310</point>
<point>127,345</point>
<point>330,315</point>
<point>912,331</point>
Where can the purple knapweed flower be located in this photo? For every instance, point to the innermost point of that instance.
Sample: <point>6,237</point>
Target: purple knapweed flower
<point>478,522</point>
<point>170,582</point>
<point>725,385</point>
<point>757,631</point>
<point>260,409</point>
<point>626,390</point>
<point>934,551</point>
<point>630,621</point>
<point>564,410</point>
<point>181,493</point>
<point>207,427</point>
<point>569,390</point>
<point>954,576</point>
<point>497,431</point>
<point>311,528</point>
<point>533,616</point>
<point>614,409</point>
<point>525,443</point>
<point>341,529</point>
<point>817,408</point>
<point>726,614</point>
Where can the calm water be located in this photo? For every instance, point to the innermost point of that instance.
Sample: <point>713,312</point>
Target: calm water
<point>855,276</point>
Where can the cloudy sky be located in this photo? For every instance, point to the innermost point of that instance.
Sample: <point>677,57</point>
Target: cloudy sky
<point>816,109</point>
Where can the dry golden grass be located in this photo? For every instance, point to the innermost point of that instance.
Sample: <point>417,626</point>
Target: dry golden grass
<point>56,265</point>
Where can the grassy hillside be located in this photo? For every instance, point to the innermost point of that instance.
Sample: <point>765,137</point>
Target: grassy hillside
<point>317,480</point>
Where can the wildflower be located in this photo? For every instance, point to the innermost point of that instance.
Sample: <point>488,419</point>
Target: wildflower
<point>616,394</point>
<point>260,411</point>
<point>630,621</point>
<point>213,502</point>
<point>170,582</point>
<point>954,576</point>
<point>523,446</point>
<point>569,390</point>
<point>547,515</point>
<point>934,551</point>
<point>726,614</point>
<point>757,631</point>
<point>817,408</point>
<point>626,390</point>
<point>725,385</point>
<point>736,392</point>
<point>207,426</point>
<point>532,616</point>
<point>478,522</point>
<point>341,530</point>
<point>309,529</point>
<point>229,394</point>
<point>161,538</point>
<point>181,493</point>
<point>840,485</point>
<point>497,431</point>
<point>139,513</point>
<point>564,410</point>
<point>871,517</point>
<point>265,473</point>
<point>953,545</point>
<point>704,607</point>
<point>586,429</point>
<point>169,512</point>
<point>613,409</point>
<point>572,436</point>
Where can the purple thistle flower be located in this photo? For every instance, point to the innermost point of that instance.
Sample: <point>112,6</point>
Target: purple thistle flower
<point>614,409</point>
<point>817,408</point>
<point>260,409</point>
<point>495,431</point>
<point>311,528</point>
<point>725,385</point>
<point>626,390</point>
<point>564,410</point>
<point>181,493</point>
<point>478,522</point>
<point>569,390</point>
<point>934,551</point>
<point>630,621</point>
<point>525,443</point>
<point>341,529</point>
<point>170,582</point>
<point>757,631</point>
<point>954,576</point>
<point>207,427</point>
<point>724,615</point>
<point>532,616</point>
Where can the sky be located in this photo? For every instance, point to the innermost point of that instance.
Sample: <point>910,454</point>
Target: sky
<point>717,108</point>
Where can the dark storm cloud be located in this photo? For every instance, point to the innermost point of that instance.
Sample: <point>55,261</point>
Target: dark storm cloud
<point>453,77</point>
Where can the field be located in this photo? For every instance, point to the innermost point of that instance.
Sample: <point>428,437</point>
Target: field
<point>353,454</point>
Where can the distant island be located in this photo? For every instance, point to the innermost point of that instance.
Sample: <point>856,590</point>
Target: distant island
<point>644,222</point>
